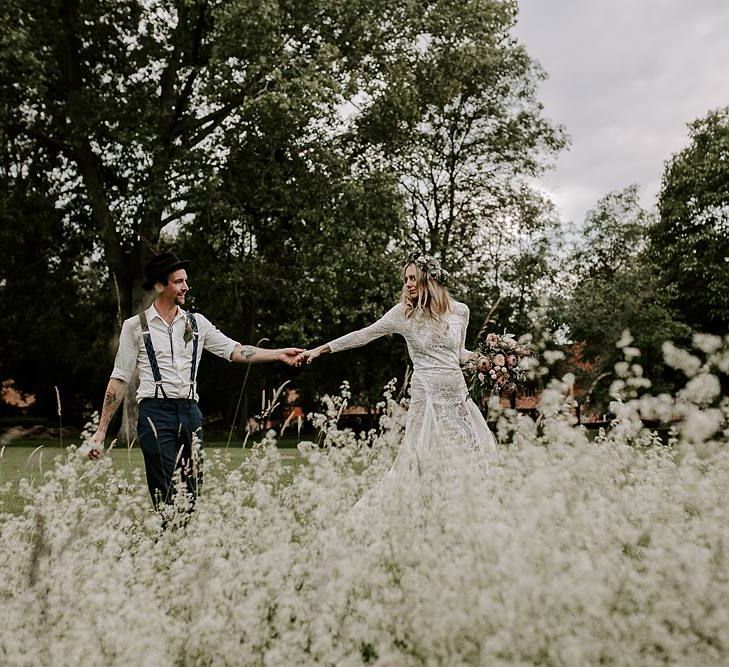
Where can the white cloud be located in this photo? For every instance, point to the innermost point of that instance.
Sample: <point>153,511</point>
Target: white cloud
<point>625,78</point>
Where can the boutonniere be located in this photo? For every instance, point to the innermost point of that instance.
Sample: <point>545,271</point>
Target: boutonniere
<point>187,336</point>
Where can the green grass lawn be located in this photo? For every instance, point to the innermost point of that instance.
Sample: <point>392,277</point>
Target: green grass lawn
<point>30,459</point>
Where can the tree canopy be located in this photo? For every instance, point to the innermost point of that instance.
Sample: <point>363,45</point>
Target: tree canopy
<point>279,145</point>
<point>690,238</point>
<point>616,288</point>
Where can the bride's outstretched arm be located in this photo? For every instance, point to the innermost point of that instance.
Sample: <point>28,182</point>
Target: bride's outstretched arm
<point>390,322</point>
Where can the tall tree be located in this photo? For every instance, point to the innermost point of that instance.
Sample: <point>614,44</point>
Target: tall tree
<point>614,288</point>
<point>128,112</point>
<point>519,258</point>
<point>297,245</point>
<point>690,239</point>
<point>132,100</point>
<point>163,114</point>
<point>464,126</point>
<point>50,301</point>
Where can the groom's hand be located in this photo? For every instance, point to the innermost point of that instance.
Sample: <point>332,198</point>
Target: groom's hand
<point>95,446</point>
<point>292,356</point>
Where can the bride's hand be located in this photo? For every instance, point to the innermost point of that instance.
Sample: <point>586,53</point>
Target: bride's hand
<point>310,355</point>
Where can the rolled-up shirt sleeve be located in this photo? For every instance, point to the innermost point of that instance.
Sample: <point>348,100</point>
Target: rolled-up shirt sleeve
<point>216,341</point>
<point>128,352</point>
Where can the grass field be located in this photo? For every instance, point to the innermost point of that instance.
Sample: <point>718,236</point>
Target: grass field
<point>30,459</point>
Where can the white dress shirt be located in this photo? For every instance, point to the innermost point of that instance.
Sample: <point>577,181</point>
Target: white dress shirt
<point>174,356</point>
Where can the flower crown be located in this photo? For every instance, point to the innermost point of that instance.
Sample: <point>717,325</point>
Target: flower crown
<point>429,265</point>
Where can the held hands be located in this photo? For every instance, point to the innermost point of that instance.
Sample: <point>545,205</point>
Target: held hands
<point>292,356</point>
<point>295,356</point>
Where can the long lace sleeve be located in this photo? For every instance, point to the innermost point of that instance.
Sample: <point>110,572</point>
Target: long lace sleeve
<point>390,322</point>
<point>464,354</point>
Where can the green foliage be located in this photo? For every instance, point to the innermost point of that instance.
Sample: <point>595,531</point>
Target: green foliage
<point>142,103</point>
<point>302,261</point>
<point>616,289</point>
<point>520,266</point>
<point>49,301</point>
<point>280,146</point>
<point>690,240</point>
<point>462,123</point>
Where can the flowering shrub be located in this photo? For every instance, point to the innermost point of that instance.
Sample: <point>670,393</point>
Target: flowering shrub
<point>569,551</point>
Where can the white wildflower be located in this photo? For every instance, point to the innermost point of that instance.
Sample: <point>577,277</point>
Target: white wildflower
<point>552,356</point>
<point>701,425</point>
<point>622,368</point>
<point>680,359</point>
<point>625,339</point>
<point>707,343</point>
<point>702,389</point>
<point>323,562</point>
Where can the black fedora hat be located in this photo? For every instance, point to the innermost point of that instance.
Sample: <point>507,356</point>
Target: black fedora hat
<point>160,266</point>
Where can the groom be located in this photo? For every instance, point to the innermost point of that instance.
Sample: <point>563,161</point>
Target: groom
<point>165,344</point>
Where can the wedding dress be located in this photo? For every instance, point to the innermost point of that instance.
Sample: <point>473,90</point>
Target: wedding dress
<point>443,423</point>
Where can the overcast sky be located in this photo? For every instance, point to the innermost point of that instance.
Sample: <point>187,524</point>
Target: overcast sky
<point>625,77</point>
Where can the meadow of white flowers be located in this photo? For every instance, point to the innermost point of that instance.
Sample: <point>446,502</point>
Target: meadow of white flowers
<point>568,551</point>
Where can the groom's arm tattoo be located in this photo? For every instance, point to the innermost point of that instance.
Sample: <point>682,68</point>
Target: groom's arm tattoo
<point>111,400</point>
<point>245,353</point>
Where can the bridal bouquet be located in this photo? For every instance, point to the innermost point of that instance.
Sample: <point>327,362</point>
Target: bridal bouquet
<point>495,367</point>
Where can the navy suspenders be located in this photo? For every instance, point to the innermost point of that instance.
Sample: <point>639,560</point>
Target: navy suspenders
<point>193,366</point>
<point>147,337</point>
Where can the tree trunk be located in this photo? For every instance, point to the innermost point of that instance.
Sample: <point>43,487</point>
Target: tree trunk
<point>127,435</point>
<point>132,299</point>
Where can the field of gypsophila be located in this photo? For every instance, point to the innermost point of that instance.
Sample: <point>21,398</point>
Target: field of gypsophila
<point>568,551</point>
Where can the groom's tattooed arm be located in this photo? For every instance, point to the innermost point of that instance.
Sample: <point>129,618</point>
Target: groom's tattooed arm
<point>112,399</point>
<point>248,354</point>
<point>245,353</point>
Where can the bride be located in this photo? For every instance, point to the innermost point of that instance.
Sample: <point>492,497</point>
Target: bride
<point>442,419</point>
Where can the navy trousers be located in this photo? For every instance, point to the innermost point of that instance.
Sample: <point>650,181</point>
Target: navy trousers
<point>166,428</point>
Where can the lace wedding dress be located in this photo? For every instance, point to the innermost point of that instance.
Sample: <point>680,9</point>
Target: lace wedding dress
<point>443,423</point>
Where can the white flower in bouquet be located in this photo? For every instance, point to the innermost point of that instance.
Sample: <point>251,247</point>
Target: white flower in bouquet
<point>509,343</point>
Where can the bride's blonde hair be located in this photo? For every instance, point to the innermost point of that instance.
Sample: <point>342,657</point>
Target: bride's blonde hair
<point>433,298</point>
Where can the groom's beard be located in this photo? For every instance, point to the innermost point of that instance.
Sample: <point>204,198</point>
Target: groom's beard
<point>180,299</point>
